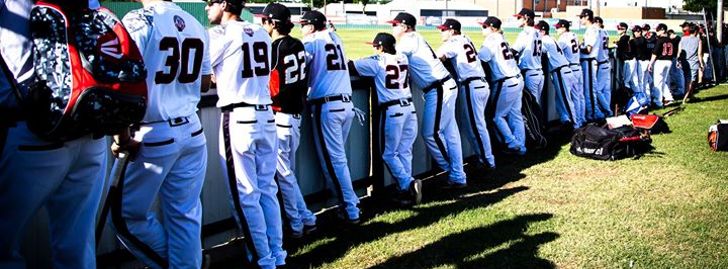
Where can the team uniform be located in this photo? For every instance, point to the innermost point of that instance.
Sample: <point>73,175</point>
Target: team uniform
<point>661,71</point>
<point>569,44</point>
<point>172,159</point>
<point>633,75</point>
<point>240,57</point>
<point>604,76</point>
<point>398,116</point>
<point>459,49</point>
<point>562,79</point>
<point>330,98</point>
<point>626,52</point>
<point>65,177</point>
<point>507,94</point>
<point>589,69</point>
<point>288,87</point>
<point>528,46</point>
<point>647,76</point>
<point>677,76</point>
<point>439,128</point>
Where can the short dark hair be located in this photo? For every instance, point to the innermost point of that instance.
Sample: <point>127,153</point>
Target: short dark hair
<point>530,21</point>
<point>282,27</point>
<point>234,6</point>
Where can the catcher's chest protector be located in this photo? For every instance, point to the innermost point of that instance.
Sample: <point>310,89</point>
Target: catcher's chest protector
<point>90,77</point>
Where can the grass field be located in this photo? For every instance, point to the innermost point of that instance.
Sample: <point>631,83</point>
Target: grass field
<point>667,209</point>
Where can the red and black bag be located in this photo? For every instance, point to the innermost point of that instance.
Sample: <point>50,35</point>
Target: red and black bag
<point>599,143</point>
<point>90,77</point>
<point>718,136</point>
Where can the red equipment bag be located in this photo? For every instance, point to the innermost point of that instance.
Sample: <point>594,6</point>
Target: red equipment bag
<point>654,123</point>
<point>90,77</point>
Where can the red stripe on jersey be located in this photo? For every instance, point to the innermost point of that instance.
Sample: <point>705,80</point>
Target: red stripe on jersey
<point>275,88</point>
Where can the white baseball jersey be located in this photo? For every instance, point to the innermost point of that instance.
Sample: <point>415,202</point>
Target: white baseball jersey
<point>240,55</point>
<point>591,38</point>
<point>463,55</point>
<point>569,44</point>
<point>604,49</point>
<point>175,51</point>
<point>390,72</point>
<point>554,52</point>
<point>528,45</point>
<point>426,68</point>
<point>325,56</point>
<point>498,55</point>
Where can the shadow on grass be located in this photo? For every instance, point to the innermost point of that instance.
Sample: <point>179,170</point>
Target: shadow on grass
<point>695,99</point>
<point>346,238</point>
<point>459,249</point>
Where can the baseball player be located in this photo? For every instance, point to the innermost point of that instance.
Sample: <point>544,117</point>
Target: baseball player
<point>390,71</point>
<point>659,65</point>
<point>633,75</point>
<point>590,48</point>
<point>690,50</point>
<point>288,86</point>
<point>561,76</point>
<point>330,100</point>
<point>507,87</point>
<point>172,157</point>
<point>677,76</point>
<point>65,177</point>
<point>650,41</point>
<point>439,128</point>
<point>626,52</point>
<point>604,71</point>
<point>240,55</point>
<point>528,50</point>
<point>460,51</point>
<point>569,44</point>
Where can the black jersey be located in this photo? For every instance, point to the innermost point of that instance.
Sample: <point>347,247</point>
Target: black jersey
<point>651,43</point>
<point>288,78</point>
<point>641,51</point>
<point>664,49</point>
<point>675,45</point>
<point>624,52</point>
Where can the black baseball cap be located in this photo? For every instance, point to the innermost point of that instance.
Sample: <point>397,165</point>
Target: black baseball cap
<point>636,28</point>
<point>686,23</point>
<point>586,13</point>
<point>525,12</point>
<point>562,23</point>
<point>450,24</point>
<point>275,11</point>
<point>542,25</point>
<point>491,22</point>
<point>646,27</point>
<point>622,25</point>
<point>404,18</point>
<point>599,20</point>
<point>313,17</point>
<point>661,27</point>
<point>383,39</point>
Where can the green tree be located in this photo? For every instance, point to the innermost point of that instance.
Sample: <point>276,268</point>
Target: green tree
<point>698,5</point>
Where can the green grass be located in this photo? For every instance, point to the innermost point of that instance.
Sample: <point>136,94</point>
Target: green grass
<point>667,209</point>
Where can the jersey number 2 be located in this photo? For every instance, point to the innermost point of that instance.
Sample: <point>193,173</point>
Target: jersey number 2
<point>174,61</point>
<point>334,57</point>
<point>470,52</point>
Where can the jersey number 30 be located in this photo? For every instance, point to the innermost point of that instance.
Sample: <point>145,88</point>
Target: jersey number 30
<point>177,59</point>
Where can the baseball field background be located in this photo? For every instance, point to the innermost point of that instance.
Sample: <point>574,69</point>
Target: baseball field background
<point>668,209</point>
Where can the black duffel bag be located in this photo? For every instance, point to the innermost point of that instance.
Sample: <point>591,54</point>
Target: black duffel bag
<point>599,143</point>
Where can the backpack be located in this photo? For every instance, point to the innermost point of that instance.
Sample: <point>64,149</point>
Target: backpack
<point>532,119</point>
<point>718,136</point>
<point>653,123</point>
<point>90,77</point>
<point>599,143</point>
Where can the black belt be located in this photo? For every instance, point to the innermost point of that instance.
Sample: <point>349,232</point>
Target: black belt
<point>401,102</point>
<point>172,122</point>
<point>436,84</point>
<point>505,78</point>
<point>575,65</point>
<point>293,115</point>
<point>601,63</point>
<point>471,79</point>
<point>340,97</point>
<point>230,107</point>
<point>558,68</point>
<point>587,59</point>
